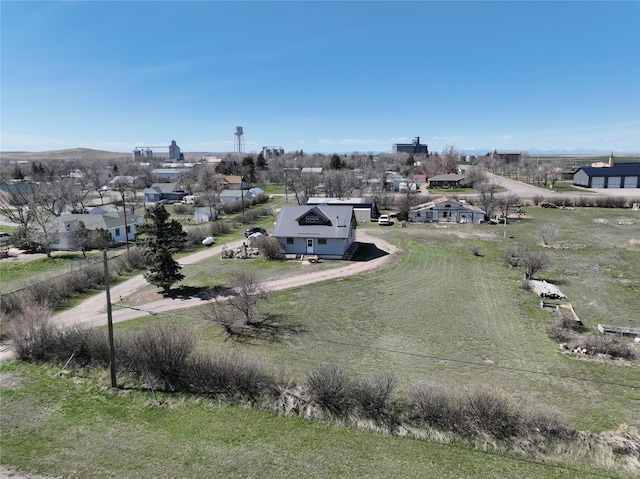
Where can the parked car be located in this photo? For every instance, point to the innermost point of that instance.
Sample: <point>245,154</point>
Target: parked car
<point>254,229</point>
<point>4,238</point>
<point>384,220</point>
<point>208,241</point>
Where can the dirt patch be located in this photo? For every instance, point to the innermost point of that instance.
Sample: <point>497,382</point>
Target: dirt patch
<point>10,474</point>
<point>18,256</point>
<point>9,380</point>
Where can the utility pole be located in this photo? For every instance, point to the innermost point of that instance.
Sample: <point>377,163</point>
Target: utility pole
<point>112,349</point>
<point>126,228</point>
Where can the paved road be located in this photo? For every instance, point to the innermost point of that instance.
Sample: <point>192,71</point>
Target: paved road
<point>527,191</point>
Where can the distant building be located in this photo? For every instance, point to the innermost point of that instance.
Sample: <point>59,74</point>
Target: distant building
<point>413,148</point>
<point>174,152</point>
<point>272,151</point>
<point>610,177</point>
<point>507,156</point>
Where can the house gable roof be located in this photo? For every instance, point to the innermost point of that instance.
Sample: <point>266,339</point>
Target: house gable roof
<point>334,221</point>
<point>164,188</point>
<point>107,221</point>
<point>314,217</point>
<point>443,199</point>
<point>447,177</point>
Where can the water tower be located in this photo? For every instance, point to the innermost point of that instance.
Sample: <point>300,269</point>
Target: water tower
<point>239,141</point>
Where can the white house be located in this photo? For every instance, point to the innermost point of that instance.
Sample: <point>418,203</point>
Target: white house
<point>327,231</point>
<point>113,223</point>
<point>444,209</point>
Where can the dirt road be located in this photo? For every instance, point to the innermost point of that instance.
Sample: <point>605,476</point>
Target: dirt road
<point>92,311</point>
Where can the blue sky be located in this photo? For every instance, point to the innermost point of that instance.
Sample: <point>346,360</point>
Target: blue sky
<point>321,76</point>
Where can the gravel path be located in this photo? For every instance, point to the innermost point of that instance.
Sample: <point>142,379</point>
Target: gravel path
<point>92,311</point>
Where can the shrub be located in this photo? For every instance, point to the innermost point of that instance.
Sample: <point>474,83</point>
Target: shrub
<point>433,406</point>
<point>228,374</point>
<point>550,425</point>
<point>182,209</point>
<point>31,332</point>
<point>548,233</point>
<point>484,410</point>
<point>219,228</point>
<point>374,398</point>
<point>160,350</point>
<point>269,247</point>
<point>330,387</point>
<point>89,346</point>
<point>560,334</point>
<point>195,236</point>
<point>476,251</point>
<point>610,345</point>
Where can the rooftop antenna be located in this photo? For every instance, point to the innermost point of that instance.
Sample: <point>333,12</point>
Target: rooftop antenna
<point>239,141</point>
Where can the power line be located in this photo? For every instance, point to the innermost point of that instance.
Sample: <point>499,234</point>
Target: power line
<point>409,353</point>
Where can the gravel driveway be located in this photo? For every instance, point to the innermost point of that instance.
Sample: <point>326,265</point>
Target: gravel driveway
<point>92,311</point>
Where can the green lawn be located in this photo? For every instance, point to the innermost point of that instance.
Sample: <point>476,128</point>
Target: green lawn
<point>13,274</point>
<point>75,428</point>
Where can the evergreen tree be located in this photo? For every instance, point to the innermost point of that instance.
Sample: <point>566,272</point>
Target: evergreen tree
<point>336,162</point>
<point>160,238</point>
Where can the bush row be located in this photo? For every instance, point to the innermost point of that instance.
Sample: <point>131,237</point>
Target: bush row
<point>586,201</point>
<point>237,206</point>
<point>167,355</point>
<point>56,290</point>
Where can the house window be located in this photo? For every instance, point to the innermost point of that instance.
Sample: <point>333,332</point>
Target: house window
<point>322,240</point>
<point>310,219</point>
<point>128,229</point>
<point>117,232</point>
<point>289,240</point>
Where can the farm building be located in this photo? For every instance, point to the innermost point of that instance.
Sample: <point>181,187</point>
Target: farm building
<point>413,148</point>
<point>444,209</point>
<point>365,209</point>
<point>327,231</point>
<point>608,177</point>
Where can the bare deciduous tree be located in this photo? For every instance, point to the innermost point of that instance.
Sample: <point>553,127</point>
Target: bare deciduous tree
<point>248,289</point>
<point>533,262</point>
<point>548,233</point>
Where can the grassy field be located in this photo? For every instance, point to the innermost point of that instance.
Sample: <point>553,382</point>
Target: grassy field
<point>437,313</point>
<point>441,314</point>
<point>16,274</point>
<point>73,427</point>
